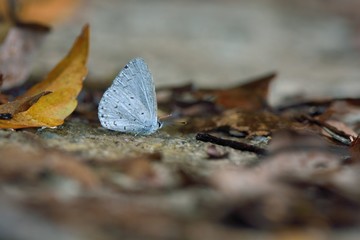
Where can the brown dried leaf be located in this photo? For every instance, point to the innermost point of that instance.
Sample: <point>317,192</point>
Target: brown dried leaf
<point>291,155</point>
<point>17,52</point>
<point>20,105</point>
<point>252,123</point>
<point>251,96</point>
<point>303,180</point>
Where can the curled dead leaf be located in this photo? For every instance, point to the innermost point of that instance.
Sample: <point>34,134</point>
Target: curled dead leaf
<point>64,82</point>
<point>249,96</point>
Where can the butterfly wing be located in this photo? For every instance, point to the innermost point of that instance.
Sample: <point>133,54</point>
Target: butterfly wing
<point>129,105</point>
<point>137,70</point>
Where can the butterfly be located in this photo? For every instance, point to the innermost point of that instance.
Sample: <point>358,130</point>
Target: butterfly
<point>129,104</point>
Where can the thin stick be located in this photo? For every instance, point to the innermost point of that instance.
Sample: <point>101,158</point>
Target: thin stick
<point>205,137</point>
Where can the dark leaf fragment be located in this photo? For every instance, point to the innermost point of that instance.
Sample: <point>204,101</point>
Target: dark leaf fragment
<point>9,109</point>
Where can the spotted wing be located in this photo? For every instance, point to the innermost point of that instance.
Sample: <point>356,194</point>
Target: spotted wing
<point>129,105</point>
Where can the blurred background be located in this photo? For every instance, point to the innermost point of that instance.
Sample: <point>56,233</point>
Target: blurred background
<point>314,45</point>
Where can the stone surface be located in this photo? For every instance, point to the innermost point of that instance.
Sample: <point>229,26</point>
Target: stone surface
<point>90,141</point>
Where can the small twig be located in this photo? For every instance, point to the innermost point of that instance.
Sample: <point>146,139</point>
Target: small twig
<point>205,137</point>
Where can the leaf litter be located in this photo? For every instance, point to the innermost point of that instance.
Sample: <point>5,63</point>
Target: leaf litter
<point>62,86</point>
<point>306,175</point>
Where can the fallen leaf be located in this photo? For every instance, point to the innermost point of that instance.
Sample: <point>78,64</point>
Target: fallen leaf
<point>17,52</point>
<point>302,180</point>
<point>241,123</point>
<point>241,108</point>
<point>187,101</point>
<point>252,123</point>
<point>250,96</point>
<point>64,82</point>
<point>20,105</point>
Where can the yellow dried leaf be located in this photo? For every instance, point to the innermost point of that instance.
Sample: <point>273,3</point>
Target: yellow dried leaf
<point>64,82</point>
<point>19,105</point>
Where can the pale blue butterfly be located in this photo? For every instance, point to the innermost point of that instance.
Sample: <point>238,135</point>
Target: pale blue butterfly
<point>129,104</point>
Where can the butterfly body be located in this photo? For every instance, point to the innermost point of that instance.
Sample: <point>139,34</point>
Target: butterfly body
<point>129,104</point>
